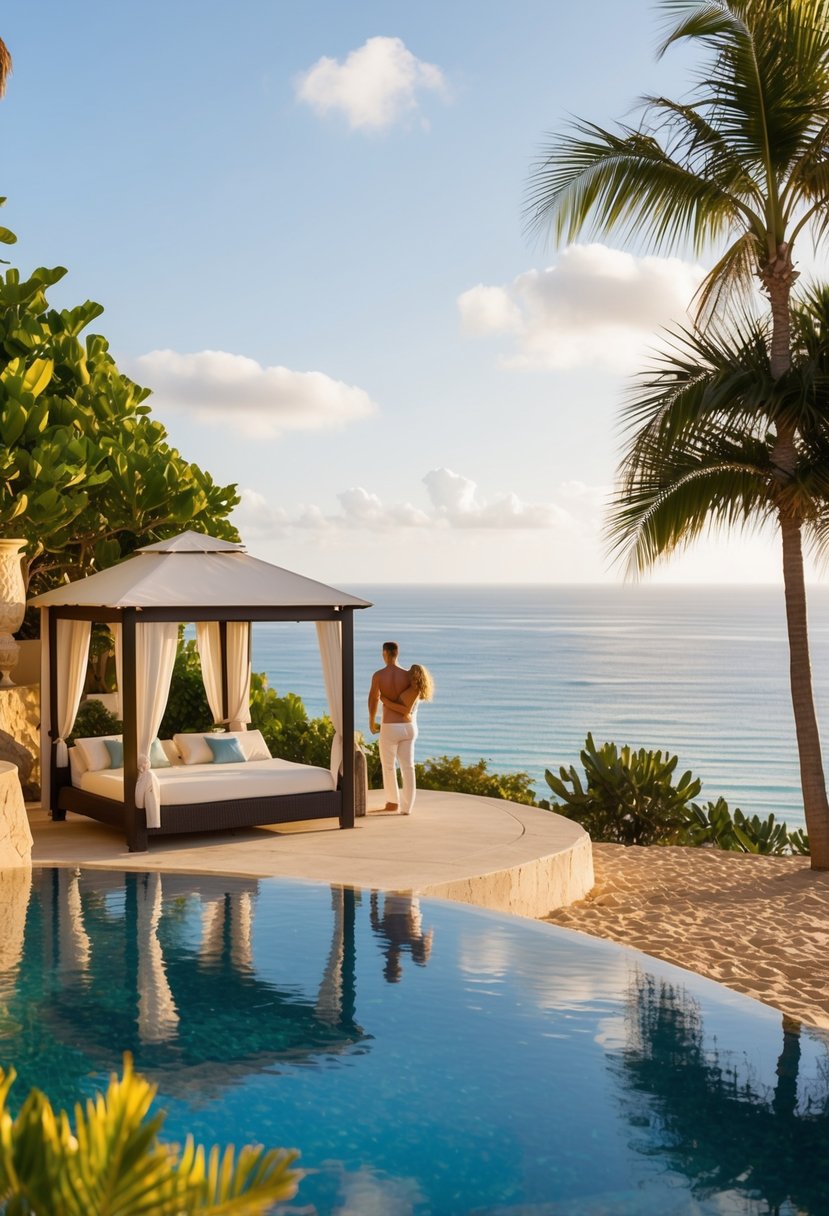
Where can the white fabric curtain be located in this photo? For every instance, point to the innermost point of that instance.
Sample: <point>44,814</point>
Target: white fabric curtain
<point>330,638</point>
<point>210,657</point>
<point>208,641</point>
<point>155,656</point>
<point>45,712</point>
<point>72,659</point>
<point>238,674</point>
<point>115,630</point>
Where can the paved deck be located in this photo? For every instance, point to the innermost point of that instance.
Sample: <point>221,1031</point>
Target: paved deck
<point>483,851</point>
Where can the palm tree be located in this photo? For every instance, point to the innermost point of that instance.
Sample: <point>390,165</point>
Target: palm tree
<point>700,451</point>
<point>5,66</point>
<point>743,162</point>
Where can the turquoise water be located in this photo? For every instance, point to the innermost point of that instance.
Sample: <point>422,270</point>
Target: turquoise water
<point>428,1060</point>
<point>523,673</point>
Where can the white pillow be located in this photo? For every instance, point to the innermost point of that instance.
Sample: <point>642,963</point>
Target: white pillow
<point>95,753</point>
<point>77,766</point>
<point>193,748</point>
<point>252,744</point>
<point>171,751</point>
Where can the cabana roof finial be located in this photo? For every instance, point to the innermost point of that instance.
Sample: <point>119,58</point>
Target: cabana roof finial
<point>192,542</point>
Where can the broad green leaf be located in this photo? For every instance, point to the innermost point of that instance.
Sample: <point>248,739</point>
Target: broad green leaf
<point>37,376</point>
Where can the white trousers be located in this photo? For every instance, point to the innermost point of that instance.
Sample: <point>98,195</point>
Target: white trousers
<point>397,740</point>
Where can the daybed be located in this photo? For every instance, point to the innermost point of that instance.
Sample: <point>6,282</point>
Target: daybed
<point>214,584</point>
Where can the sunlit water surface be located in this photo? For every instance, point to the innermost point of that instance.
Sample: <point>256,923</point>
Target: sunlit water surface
<point>425,1059</point>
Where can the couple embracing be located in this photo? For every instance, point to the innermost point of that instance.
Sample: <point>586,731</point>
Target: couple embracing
<point>400,690</point>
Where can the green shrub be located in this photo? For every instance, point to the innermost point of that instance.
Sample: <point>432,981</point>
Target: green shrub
<point>286,727</point>
<point>626,797</point>
<point>451,774</point>
<point>187,708</point>
<point>94,720</point>
<point>714,824</point>
<point>629,797</point>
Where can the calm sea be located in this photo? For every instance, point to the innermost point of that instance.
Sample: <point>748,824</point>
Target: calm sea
<point>523,673</point>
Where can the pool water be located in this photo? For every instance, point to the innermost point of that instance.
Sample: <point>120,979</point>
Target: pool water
<point>425,1058</point>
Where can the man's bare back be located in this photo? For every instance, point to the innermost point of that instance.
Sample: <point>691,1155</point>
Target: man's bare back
<point>390,681</point>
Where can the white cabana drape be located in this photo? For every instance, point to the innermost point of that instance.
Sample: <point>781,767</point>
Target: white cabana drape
<point>158,1017</point>
<point>330,638</point>
<point>115,630</point>
<point>208,641</point>
<point>155,656</point>
<point>72,641</point>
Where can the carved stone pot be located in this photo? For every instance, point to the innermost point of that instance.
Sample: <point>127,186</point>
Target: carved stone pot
<point>12,605</point>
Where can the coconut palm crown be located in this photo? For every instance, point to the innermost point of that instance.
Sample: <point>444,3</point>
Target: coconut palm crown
<point>699,450</point>
<point>743,162</point>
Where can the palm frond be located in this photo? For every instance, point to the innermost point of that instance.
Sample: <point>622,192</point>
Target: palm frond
<point>709,21</point>
<point>596,181</point>
<point>729,279</point>
<point>650,521</point>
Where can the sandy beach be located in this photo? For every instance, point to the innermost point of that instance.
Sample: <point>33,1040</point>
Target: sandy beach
<point>759,925</point>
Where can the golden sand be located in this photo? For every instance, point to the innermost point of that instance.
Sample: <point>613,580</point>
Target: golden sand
<point>759,925</point>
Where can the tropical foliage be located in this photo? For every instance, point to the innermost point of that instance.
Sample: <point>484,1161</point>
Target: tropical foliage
<point>715,824</point>
<point>86,475</point>
<point>94,720</point>
<point>451,774</point>
<point>112,1162</point>
<point>743,164</point>
<point>633,797</point>
<point>626,796</point>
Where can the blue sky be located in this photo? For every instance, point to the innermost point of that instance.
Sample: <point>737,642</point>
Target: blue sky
<point>327,199</point>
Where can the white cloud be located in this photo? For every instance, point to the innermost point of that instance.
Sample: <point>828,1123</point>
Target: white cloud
<point>454,502</point>
<point>374,87</point>
<point>261,401</point>
<point>595,305</point>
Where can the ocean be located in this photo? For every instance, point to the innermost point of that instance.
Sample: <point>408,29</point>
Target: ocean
<point>524,672</point>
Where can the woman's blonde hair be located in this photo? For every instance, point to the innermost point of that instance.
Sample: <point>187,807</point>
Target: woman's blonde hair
<point>422,682</point>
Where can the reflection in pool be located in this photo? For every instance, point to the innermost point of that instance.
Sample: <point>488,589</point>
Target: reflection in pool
<point>432,1059</point>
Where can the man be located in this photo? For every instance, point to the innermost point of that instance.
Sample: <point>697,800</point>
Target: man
<point>397,733</point>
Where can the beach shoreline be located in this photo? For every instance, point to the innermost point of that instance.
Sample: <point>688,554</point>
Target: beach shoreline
<point>759,925</point>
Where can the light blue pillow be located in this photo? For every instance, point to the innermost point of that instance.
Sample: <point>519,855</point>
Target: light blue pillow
<point>225,749</point>
<point>116,752</point>
<point>158,756</point>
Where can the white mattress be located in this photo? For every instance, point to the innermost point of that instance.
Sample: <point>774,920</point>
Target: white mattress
<point>188,783</point>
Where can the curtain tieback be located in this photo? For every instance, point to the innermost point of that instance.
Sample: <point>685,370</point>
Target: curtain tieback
<point>61,753</point>
<point>148,792</point>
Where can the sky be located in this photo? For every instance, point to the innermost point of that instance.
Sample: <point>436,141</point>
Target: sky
<point>305,224</point>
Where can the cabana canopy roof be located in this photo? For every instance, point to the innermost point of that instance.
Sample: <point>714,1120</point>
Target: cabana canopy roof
<point>192,569</point>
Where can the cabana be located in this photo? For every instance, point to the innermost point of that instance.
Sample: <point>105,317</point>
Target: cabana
<point>213,583</point>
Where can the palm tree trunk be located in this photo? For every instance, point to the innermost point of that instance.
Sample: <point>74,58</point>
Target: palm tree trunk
<point>778,277</point>
<point>813,783</point>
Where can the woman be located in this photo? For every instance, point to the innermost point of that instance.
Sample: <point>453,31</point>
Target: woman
<point>420,688</point>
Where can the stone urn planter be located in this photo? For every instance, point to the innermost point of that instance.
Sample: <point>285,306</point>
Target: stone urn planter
<point>12,605</point>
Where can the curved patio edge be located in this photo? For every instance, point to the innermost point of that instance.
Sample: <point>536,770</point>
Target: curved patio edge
<point>549,866</point>
<point>485,851</point>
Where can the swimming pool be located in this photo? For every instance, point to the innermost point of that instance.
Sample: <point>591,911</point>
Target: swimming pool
<point>424,1058</point>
